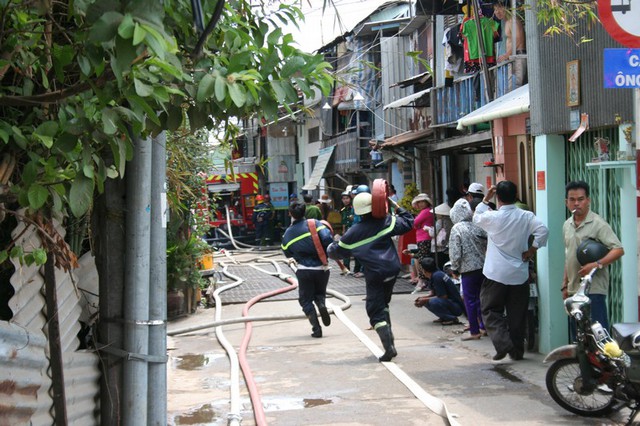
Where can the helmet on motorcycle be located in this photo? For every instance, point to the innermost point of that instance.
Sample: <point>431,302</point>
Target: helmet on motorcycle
<point>635,340</point>
<point>362,203</point>
<point>345,194</point>
<point>259,198</point>
<point>360,189</point>
<point>590,251</point>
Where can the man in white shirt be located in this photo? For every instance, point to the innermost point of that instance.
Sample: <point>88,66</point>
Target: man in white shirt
<point>506,268</point>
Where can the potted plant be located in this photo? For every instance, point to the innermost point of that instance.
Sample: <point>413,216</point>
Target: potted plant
<point>184,254</point>
<point>188,161</point>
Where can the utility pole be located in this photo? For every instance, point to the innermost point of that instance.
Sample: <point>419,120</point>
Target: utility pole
<point>136,289</point>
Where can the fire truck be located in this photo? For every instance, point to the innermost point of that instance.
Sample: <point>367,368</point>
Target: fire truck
<point>236,190</point>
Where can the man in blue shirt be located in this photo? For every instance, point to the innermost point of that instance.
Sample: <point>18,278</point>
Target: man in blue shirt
<point>445,301</point>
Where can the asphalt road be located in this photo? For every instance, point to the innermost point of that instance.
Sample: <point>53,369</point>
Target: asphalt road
<point>336,380</point>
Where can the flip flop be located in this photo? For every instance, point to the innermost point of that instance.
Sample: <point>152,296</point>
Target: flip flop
<point>437,320</point>
<point>472,337</point>
<point>452,322</point>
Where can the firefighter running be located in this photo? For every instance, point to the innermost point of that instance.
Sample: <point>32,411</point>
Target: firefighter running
<point>370,242</point>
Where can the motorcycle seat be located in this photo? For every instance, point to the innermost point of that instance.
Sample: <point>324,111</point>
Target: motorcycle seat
<point>622,333</point>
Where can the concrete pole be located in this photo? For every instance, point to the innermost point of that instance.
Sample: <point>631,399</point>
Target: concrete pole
<point>136,285</point>
<point>550,209</point>
<point>157,388</point>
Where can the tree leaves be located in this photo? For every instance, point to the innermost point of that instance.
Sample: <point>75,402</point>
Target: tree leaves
<point>206,88</point>
<point>113,70</point>
<point>45,132</point>
<point>106,27</point>
<point>81,195</point>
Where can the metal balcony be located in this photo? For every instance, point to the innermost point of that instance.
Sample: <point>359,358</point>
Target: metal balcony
<point>467,93</point>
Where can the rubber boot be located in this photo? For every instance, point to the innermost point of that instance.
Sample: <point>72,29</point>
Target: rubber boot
<point>387,342</point>
<point>315,325</point>
<point>324,314</point>
<point>387,316</point>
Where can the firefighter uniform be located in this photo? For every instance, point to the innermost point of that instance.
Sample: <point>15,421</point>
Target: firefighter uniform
<point>312,274</point>
<point>369,241</point>
<point>261,217</point>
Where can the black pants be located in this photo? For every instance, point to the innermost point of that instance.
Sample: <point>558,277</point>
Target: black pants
<point>379,291</point>
<point>507,332</point>
<point>312,287</point>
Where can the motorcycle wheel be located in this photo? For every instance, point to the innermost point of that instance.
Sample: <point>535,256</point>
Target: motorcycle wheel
<point>563,377</point>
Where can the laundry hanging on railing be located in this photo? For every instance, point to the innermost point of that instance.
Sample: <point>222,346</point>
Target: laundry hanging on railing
<point>489,32</point>
<point>453,49</point>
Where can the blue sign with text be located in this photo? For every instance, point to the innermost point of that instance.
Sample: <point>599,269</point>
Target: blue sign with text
<point>621,68</point>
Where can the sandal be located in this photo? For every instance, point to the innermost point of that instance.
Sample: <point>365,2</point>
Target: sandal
<point>437,320</point>
<point>451,322</point>
<point>472,337</point>
<point>483,333</point>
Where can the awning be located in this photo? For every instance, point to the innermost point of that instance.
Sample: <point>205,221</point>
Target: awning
<point>407,99</point>
<point>513,103</point>
<point>406,137</point>
<point>416,79</point>
<point>324,155</point>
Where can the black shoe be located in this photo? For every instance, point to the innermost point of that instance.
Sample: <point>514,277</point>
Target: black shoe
<point>324,314</point>
<point>315,325</point>
<point>500,355</point>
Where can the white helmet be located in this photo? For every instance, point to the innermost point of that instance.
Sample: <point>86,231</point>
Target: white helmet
<point>362,203</point>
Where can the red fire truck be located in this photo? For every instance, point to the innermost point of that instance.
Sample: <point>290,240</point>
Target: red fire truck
<point>237,191</point>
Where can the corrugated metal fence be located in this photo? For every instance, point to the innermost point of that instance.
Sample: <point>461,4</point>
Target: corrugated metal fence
<point>25,382</point>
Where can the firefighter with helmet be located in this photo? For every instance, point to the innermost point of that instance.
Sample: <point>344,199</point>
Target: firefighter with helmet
<point>370,242</point>
<point>261,218</point>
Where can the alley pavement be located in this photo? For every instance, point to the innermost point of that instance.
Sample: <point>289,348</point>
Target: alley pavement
<point>336,380</point>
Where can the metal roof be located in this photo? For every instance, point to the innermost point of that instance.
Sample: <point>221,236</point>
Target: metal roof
<point>514,102</point>
<point>407,99</point>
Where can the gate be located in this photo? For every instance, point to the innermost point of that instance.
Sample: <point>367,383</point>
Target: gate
<point>579,153</point>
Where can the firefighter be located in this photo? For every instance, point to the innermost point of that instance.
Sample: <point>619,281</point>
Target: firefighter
<point>308,245</point>
<point>370,242</point>
<point>261,217</point>
<point>271,220</point>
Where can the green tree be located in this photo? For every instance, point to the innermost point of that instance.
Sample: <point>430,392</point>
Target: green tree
<point>81,79</point>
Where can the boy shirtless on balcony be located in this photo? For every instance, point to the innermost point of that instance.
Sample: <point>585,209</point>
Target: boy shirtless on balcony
<point>520,64</point>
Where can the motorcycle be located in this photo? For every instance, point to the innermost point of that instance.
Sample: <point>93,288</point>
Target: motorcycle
<point>598,373</point>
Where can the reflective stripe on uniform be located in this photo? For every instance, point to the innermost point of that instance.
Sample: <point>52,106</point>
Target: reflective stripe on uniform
<point>370,239</point>
<point>300,237</point>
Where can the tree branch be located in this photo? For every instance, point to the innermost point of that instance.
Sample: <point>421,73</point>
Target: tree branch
<point>210,26</point>
<point>56,96</point>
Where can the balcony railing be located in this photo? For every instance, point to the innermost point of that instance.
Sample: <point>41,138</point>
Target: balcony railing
<point>467,94</point>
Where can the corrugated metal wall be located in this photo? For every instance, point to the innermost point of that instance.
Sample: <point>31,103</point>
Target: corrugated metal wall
<point>547,57</point>
<point>24,376</point>
<point>396,66</point>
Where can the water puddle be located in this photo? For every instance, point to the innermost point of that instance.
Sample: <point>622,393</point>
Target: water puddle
<point>506,374</point>
<point>194,362</point>
<point>202,415</point>
<point>287,404</point>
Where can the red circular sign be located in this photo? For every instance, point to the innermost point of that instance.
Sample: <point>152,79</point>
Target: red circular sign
<point>619,22</point>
